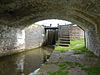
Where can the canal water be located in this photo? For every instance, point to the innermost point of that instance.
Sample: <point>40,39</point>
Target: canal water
<point>26,63</point>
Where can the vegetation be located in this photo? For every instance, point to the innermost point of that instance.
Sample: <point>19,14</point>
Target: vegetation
<point>66,66</point>
<point>77,45</point>
<point>93,70</point>
<point>59,73</point>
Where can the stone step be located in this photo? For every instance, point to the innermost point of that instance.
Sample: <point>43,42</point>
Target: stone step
<point>65,34</point>
<point>64,39</point>
<point>63,44</point>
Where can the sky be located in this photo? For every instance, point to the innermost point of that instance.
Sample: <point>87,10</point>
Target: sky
<point>54,22</point>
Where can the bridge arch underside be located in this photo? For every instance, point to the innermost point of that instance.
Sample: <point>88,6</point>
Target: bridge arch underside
<point>84,13</point>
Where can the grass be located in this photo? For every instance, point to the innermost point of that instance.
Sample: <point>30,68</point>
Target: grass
<point>66,66</point>
<point>92,70</point>
<point>59,73</point>
<point>63,69</point>
<point>61,48</point>
<point>77,45</point>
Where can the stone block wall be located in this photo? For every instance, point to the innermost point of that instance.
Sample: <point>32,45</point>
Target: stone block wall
<point>14,40</point>
<point>11,40</point>
<point>34,36</point>
<point>75,33</point>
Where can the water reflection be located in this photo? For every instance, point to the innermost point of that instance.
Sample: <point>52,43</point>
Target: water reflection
<point>20,64</point>
<point>24,63</point>
<point>35,72</point>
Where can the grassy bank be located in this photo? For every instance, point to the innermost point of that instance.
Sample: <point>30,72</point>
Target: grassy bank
<point>66,66</point>
<point>79,48</point>
<point>77,45</point>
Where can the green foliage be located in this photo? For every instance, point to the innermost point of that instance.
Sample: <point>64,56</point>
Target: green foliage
<point>61,48</point>
<point>77,45</point>
<point>66,66</point>
<point>93,70</point>
<point>69,65</point>
<point>83,50</point>
<point>59,73</point>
